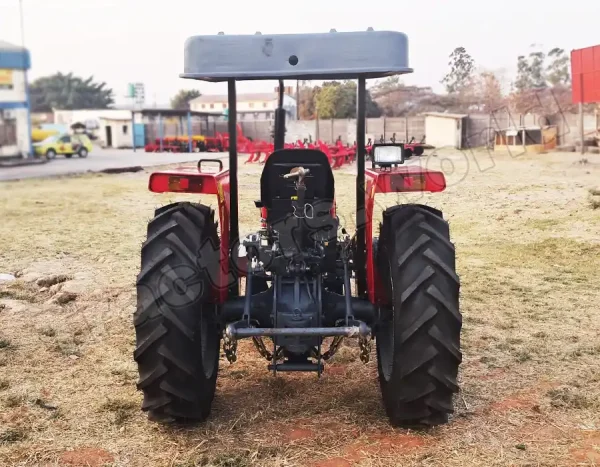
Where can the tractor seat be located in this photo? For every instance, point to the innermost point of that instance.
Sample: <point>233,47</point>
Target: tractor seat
<point>277,193</point>
<point>319,182</point>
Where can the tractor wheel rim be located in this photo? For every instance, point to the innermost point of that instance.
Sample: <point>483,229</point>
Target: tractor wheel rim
<point>208,346</point>
<point>385,338</point>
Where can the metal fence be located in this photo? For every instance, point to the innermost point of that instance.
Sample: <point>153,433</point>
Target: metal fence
<point>478,129</point>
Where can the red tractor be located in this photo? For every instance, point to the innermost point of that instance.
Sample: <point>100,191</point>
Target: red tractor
<point>299,268</point>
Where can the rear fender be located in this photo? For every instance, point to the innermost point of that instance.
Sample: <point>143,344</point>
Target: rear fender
<point>395,180</point>
<point>191,180</point>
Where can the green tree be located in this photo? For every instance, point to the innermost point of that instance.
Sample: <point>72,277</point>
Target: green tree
<point>531,72</point>
<point>338,100</point>
<point>68,92</point>
<point>182,99</point>
<point>524,80</point>
<point>557,71</point>
<point>537,70</point>
<point>461,71</point>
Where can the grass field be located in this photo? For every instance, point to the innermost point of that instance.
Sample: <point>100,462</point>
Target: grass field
<point>527,232</point>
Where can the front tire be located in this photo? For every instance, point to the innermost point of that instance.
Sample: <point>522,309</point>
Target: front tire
<point>418,341</point>
<point>50,154</point>
<point>83,152</point>
<point>177,333</point>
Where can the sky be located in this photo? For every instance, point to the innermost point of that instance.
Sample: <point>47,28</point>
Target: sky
<point>123,41</point>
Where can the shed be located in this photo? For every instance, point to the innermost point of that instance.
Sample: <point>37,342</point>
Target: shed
<point>116,132</point>
<point>444,129</point>
<point>526,138</point>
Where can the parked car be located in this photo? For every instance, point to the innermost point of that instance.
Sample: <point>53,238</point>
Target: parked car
<point>67,145</point>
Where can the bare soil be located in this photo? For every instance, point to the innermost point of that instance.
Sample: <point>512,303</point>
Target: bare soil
<point>528,242</point>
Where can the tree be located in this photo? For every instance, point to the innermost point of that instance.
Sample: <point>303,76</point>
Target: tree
<point>540,88</point>
<point>338,100</point>
<point>536,69</point>
<point>531,73</point>
<point>461,71</point>
<point>181,100</point>
<point>557,71</point>
<point>524,80</point>
<point>489,91</point>
<point>68,92</point>
<point>306,102</point>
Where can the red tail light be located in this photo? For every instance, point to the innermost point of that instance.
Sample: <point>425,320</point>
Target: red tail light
<point>161,183</point>
<point>424,181</point>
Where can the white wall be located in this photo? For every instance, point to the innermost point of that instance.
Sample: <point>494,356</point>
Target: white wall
<point>443,131</point>
<point>120,139</point>
<point>219,107</point>
<point>68,117</point>
<point>18,92</point>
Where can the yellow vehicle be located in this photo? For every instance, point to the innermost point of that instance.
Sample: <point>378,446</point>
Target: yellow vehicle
<point>68,145</point>
<point>38,135</point>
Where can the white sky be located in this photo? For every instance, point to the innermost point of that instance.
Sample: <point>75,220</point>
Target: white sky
<point>121,41</point>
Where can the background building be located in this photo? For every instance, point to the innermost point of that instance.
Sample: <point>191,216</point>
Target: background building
<point>15,125</point>
<point>250,107</point>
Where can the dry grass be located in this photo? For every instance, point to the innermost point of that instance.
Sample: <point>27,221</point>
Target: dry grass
<point>528,255</point>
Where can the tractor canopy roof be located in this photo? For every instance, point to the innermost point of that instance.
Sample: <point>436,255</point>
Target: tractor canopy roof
<point>333,55</point>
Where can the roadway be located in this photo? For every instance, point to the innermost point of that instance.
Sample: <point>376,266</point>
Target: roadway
<point>98,160</point>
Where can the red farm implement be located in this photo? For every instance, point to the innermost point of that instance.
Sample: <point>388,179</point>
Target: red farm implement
<point>305,277</point>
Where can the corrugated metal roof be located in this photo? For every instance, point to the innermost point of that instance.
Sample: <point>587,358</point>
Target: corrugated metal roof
<point>11,47</point>
<point>444,114</point>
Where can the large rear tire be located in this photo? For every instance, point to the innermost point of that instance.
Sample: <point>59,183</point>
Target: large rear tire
<point>418,341</point>
<point>177,333</point>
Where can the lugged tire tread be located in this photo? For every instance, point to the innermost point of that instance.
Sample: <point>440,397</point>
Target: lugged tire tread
<point>415,252</point>
<point>167,324</point>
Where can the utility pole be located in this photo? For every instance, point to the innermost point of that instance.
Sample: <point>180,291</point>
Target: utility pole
<point>581,128</point>
<point>22,23</point>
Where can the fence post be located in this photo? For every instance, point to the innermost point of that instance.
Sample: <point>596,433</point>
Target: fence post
<point>581,128</point>
<point>160,131</point>
<point>189,131</point>
<point>332,132</point>
<point>317,135</point>
<point>133,128</point>
<point>384,136</point>
<point>406,129</point>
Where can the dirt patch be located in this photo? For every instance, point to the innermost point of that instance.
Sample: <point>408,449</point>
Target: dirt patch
<point>336,370</point>
<point>513,403</point>
<point>333,462</point>
<point>589,450</point>
<point>298,434</point>
<point>86,457</point>
<point>399,444</point>
<point>379,445</point>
